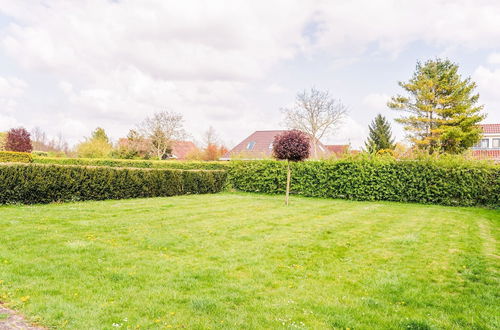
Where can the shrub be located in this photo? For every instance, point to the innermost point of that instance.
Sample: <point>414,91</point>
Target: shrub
<point>15,157</point>
<point>39,153</point>
<point>137,163</point>
<point>18,139</point>
<point>447,182</point>
<point>34,183</point>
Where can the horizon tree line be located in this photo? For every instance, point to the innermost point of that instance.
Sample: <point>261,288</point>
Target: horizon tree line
<point>440,114</point>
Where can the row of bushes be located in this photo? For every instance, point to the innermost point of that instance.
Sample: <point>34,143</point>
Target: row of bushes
<point>438,181</point>
<point>423,181</point>
<point>15,157</point>
<point>190,165</point>
<point>35,183</point>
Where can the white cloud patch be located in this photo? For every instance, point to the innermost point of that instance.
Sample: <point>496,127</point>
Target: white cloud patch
<point>488,86</point>
<point>12,90</point>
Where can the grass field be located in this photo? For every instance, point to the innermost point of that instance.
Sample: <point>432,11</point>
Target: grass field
<point>246,261</point>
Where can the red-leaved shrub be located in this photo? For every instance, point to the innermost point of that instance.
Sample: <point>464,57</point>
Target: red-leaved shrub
<point>18,139</point>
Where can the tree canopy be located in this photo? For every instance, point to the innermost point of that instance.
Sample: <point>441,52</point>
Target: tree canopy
<point>18,139</point>
<point>97,146</point>
<point>316,113</point>
<point>441,106</point>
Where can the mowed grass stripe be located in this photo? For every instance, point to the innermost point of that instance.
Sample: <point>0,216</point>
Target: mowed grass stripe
<point>237,260</point>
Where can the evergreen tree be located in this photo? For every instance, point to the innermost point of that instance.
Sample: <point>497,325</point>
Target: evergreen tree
<point>380,136</point>
<point>442,108</point>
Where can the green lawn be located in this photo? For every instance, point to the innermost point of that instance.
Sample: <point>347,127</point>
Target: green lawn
<point>246,261</point>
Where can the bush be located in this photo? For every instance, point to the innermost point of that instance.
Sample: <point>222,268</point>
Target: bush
<point>137,163</point>
<point>18,139</point>
<point>447,182</point>
<point>15,157</point>
<point>34,183</point>
<point>39,153</point>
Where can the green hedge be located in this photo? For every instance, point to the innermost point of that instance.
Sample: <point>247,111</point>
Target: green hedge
<point>34,183</point>
<point>421,181</point>
<point>15,157</point>
<point>138,163</point>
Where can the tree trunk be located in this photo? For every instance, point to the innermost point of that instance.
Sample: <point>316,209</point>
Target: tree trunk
<point>288,177</point>
<point>315,148</point>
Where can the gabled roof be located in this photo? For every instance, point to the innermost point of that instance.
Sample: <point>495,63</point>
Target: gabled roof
<point>260,148</point>
<point>337,148</point>
<point>181,149</point>
<point>259,145</point>
<point>490,128</point>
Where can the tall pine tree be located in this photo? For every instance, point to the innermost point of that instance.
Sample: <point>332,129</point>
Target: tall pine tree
<point>380,136</point>
<point>442,108</point>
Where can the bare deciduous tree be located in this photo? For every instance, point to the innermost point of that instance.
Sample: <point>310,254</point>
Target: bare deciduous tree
<point>42,143</point>
<point>316,113</point>
<point>162,129</point>
<point>210,137</point>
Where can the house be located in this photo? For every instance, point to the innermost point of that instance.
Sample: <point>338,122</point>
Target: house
<point>338,149</point>
<point>489,145</point>
<point>259,145</point>
<point>181,149</point>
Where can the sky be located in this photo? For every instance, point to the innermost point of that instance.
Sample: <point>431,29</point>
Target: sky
<point>68,67</point>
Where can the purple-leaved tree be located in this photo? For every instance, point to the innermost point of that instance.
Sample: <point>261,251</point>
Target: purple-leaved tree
<point>18,139</point>
<point>292,146</point>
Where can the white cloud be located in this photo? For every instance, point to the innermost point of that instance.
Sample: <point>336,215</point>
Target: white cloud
<point>349,132</point>
<point>494,58</point>
<point>276,89</point>
<point>7,122</point>
<point>488,86</point>
<point>376,101</point>
<point>11,91</point>
<point>115,62</point>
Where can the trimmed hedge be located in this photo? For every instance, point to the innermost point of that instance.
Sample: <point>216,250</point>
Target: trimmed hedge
<point>15,157</point>
<point>420,181</point>
<point>137,163</point>
<point>34,183</point>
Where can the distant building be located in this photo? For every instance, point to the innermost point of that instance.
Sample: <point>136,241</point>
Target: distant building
<point>338,149</point>
<point>259,145</point>
<point>489,145</point>
<point>181,149</point>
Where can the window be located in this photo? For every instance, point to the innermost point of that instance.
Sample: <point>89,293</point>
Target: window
<point>271,146</point>
<point>250,145</point>
<point>485,143</point>
<point>495,143</point>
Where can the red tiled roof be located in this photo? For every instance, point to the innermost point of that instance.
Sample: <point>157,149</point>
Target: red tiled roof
<point>337,148</point>
<point>490,128</point>
<point>487,154</point>
<point>262,141</point>
<point>181,149</point>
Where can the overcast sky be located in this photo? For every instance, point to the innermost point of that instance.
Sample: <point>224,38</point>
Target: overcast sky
<point>70,66</point>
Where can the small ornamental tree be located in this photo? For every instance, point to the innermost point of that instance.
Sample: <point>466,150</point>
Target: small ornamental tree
<point>18,139</point>
<point>292,146</point>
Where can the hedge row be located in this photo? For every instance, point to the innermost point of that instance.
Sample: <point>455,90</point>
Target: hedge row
<point>34,183</point>
<point>138,163</point>
<point>15,157</point>
<point>436,182</point>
